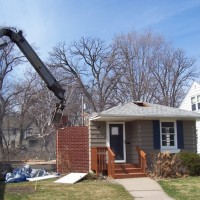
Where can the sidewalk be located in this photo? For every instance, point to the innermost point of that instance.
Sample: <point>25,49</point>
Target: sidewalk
<point>144,189</point>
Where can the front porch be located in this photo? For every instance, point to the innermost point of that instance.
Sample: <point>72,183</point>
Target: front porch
<point>103,161</point>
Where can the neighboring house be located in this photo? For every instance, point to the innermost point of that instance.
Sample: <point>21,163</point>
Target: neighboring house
<point>11,132</point>
<point>11,136</point>
<point>120,138</point>
<point>33,145</point>
<point>191,102</point>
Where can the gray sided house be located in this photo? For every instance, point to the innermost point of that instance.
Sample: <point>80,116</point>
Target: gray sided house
<point>122,138</point>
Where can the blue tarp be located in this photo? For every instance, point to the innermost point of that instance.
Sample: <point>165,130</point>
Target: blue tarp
<point>21,174</point>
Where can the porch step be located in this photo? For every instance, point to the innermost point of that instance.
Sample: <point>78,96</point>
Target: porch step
<point>125,165</point>
<point>128,171</point>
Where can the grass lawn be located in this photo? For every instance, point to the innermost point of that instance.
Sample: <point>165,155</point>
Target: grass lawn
<point>47,189</point>
<point>182,188</point>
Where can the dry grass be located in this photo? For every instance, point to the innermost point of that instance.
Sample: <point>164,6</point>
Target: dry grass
<point>90,190</point>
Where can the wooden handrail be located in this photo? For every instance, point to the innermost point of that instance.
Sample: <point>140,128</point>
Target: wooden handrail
<point>110,150</point>
<point>141,159</point>
<point>94,158</point>
<point>111,163</point>
<point>102,159</point>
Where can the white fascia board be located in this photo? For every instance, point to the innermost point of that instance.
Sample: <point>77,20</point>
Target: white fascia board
<point>140,117</point>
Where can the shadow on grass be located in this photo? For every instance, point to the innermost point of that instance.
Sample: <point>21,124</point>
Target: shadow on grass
<point>2,190</point>
<point>4,168</point>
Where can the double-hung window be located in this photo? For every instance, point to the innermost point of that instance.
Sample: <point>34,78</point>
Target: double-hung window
<point>193,103</point>
<point>168,135</point>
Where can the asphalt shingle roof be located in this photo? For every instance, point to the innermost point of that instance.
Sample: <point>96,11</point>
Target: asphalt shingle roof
<point>147,110</point>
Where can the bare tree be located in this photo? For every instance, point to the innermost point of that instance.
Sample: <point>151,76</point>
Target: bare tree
<point>41,114</point>
<point>172,73</point>
<point>137,51</point>
<point>9,58</point>
<point>136,66</point>
<point>95,68</point>
<point>23,103</point>
<point>154,70</point>
<point>33,110</point>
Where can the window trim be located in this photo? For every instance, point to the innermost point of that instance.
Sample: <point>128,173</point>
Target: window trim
<point>194,105</point>
<point>170,149</point>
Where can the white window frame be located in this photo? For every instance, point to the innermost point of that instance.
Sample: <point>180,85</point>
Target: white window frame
<point>195,103</point>
<point>170,149</point>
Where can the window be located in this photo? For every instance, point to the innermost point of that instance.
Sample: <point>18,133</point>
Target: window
<point>198,102</point>
<point>193,103</point>
<point>168,135</point>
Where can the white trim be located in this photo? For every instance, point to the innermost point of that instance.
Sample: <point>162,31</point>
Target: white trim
<point>169,148</point>
<point>170,151</point>
<point>124,139</point>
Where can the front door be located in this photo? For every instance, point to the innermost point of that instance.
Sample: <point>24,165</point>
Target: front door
<point>116,135</point>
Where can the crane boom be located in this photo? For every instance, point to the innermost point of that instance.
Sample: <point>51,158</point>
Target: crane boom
<point>36,62</point>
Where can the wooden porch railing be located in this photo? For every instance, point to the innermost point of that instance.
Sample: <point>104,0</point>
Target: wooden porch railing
<point>141,159</point>
<point>111,162</point>
<point>102,159</point>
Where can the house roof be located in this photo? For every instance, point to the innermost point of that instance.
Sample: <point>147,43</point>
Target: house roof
<point>143,110</point>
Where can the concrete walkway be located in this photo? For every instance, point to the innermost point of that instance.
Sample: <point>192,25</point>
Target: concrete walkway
<point>144,189</point>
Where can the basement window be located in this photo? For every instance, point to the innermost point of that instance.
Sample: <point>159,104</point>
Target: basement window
<point>141,104</point>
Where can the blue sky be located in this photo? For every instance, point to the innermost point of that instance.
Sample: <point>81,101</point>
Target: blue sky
<point>48,22</point>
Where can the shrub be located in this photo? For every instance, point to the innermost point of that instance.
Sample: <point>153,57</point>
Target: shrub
<point>191,161</point>
<point>90,176</point>
<point>166,165</point>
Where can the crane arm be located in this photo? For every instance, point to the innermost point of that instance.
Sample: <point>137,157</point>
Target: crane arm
<point>36,62</point>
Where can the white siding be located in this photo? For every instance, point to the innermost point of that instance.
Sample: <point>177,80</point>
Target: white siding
<point>186,105</point>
